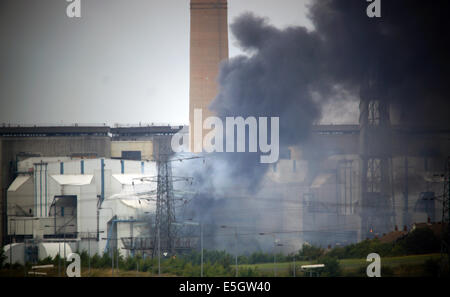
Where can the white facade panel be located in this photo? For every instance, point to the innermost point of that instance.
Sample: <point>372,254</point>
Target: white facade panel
<point>19,181</point>
<point>33,196</point>
<point>73,180</point>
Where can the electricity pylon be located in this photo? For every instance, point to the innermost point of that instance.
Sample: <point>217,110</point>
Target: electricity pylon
<point>164,232</point>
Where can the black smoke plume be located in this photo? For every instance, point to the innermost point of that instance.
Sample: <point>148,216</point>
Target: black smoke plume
<point>291,73</point>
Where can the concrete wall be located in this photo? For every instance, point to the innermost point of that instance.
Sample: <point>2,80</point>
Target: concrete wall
<point>145,147</point>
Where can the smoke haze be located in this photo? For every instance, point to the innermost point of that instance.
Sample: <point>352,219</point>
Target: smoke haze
<point>296,73</point>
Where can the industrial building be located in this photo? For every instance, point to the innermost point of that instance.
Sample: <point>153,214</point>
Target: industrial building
<point>90,203</point>
<point>344,184</point>
<point>28,154</point>
<point>320,190</point>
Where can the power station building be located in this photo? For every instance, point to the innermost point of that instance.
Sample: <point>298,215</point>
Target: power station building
<point>90,203</point>
<point>344,184</point>
<point>41,163</point>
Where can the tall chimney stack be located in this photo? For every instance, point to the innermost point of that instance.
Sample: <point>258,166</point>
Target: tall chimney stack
<point>208,47</point>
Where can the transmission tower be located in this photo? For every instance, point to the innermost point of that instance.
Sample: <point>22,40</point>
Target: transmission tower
<point>163,233</point>
<point>165,215</point>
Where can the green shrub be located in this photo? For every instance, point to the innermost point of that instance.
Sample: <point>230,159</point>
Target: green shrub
<point>420,241</point>
<point>45,261</point>
<point>130,263</point>
<point>96,261</point>
<point>260,257</point>
<point>147,265</point>
<point>189,270</point>
<point>2,257</point>
<point>84,258</point>
<point>332,267</point>
<point>310,252</point>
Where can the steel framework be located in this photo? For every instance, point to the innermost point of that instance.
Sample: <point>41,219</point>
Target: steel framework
<point>377,212</point>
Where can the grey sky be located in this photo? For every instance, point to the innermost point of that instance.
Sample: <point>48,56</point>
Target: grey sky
<point>124,61</point>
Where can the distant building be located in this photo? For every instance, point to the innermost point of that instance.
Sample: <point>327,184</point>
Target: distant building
<point>91,203</point>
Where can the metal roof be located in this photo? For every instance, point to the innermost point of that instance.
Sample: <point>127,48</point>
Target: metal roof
<point>73,180</point>
<point>145,130</point>
<point>18,182</point>
<point>139,203</point>
<point>129,179</point>
<point>55,131</point>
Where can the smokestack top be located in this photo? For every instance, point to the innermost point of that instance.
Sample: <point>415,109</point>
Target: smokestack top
<point>208,1</point>
<point>208,4</point>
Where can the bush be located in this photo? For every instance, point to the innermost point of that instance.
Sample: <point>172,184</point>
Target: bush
<point>189,270</point>
<point>249,272</point>
<point>45,261</point>
<point>130,263</point>
<point>242,260</point>
<point>260,257</point>
<point>105,261</point>
<point>332,267</point>
<point>95,261</point>
<point>16,266</point>
<point>2,257</point>
<point>84,258</point>
<point>310,252</point>
<point>362,249</point>
<point>146,265</point>
<point>420,241</point>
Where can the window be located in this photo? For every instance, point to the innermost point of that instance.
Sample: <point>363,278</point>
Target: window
<point>131,155</point>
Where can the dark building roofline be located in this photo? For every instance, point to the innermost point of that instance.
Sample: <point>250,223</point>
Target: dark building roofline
<point>43,131</point>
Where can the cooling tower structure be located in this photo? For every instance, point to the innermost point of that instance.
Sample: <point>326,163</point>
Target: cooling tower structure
<point>208,47</point>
